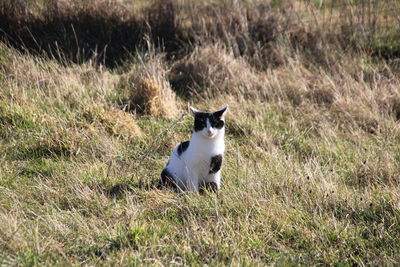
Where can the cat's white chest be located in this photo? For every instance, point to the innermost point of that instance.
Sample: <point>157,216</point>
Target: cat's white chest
<point>200,153</point>
<point>203,150</point>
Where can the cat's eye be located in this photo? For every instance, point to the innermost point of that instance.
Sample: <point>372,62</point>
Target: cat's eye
<point>219,124</point>
<point>216,123</point>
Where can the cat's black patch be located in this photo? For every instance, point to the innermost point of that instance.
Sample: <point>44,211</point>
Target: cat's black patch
<point>218,114</point>
<point>210,187</point>
<point>216,122</point>
<point>167,180</point>
<point>200,120</point>
<point>216,163</point>
<point>182,147</point>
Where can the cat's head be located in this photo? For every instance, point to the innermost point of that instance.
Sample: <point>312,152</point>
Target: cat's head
<point>209,124</point>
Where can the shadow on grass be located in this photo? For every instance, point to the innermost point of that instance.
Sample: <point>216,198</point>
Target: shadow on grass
<point>40,151</point>
<point>108,34</point>
<point>122,189</point>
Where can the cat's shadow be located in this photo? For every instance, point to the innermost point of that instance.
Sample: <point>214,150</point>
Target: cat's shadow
<point>121,190</point>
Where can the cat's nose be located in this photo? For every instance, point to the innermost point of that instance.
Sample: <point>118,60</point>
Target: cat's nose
<point>209,132</point>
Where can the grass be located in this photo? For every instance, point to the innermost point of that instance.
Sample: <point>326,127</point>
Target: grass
<point>312,167</point>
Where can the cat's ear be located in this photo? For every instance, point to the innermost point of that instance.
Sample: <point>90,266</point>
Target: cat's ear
<point>221,113</point>
<point>194,110</point>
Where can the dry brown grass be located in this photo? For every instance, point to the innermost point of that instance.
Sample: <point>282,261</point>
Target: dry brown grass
<point>115,121</point>
<point>154,100</point>
<point>211,71</point>
<point>148,89</point>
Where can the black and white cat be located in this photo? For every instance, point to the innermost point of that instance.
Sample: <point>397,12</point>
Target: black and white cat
<point>195,165</point>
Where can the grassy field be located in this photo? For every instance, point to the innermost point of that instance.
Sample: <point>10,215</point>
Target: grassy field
<point>93,97</point>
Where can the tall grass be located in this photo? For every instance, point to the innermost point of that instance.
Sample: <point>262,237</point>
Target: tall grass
<point>255,30</point>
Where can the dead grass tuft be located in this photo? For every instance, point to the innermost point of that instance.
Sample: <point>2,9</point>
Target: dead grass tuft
<point>211,71</point>
<point>148,90</point>
<point>147,96</point>
<point>115,121</point>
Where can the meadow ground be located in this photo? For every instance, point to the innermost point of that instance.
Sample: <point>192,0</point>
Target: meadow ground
<point>94,97</point>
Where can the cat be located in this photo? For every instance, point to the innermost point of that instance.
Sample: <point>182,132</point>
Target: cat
<point>195,165</point>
